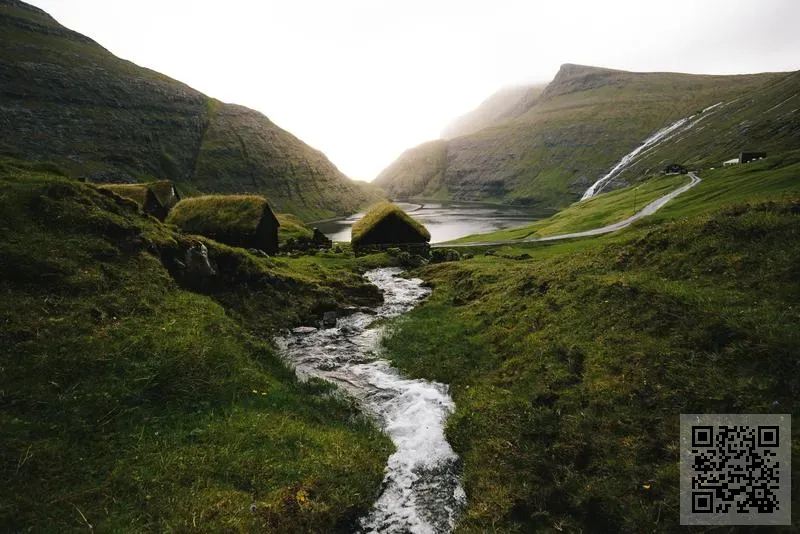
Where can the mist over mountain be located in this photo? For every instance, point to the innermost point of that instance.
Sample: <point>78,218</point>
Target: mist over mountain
<point>68,101</point>
<point>506,104</point>
<point>545,147</point>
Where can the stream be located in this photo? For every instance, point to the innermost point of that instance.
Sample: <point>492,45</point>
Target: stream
<point>421,490</point>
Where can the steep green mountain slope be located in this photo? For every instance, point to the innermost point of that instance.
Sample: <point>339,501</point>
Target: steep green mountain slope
<point>570,363</point>
<point>765,120</point>
<point>504,105</point>
<point>584,121</point>
<point>67,100</point>
<point>777,176</point>
<point>136,397</point>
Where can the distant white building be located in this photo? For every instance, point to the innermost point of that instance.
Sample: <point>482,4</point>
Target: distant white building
<point>730,162</point>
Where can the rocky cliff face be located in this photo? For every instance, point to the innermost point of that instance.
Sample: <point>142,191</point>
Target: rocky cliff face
<point>67,100</point>
<point>552,147</point>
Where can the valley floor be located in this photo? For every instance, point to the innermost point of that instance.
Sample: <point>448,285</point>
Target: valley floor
<point>138,397</point>
<point>570,363</point>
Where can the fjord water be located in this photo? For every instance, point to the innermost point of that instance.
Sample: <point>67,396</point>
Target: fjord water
<point>421,491</point>
<point>450,220</point>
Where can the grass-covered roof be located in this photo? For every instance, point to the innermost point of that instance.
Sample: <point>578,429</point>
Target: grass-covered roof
<point>292,226</point>
<point>220,213</point>
<point>135,192</point>
<point>163,190</point>
<point>379,212</point>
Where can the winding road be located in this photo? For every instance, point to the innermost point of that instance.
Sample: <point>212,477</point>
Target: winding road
<point>650,209</point>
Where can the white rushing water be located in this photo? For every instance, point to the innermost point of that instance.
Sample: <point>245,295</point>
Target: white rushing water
<point>660,136</point>
<point>421,490</point>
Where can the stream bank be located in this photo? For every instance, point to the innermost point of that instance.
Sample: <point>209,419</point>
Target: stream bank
<point>421,491</point>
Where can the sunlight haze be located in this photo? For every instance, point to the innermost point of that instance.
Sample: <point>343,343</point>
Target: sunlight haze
<point>363,80</point>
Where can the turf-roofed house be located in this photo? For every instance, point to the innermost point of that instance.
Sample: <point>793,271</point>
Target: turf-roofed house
<point>238,220</point>
<point>155,198</point>
<point>386,225</point>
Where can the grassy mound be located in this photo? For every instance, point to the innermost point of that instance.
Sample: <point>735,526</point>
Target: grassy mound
<point>570,368</point>
<point>135,192</point>
<point>129,402</point>
<point>379,212</point>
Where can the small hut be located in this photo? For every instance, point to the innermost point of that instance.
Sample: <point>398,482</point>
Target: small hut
<point>166,194</point>
<point>155,198</point>
<point>387,225</point>
<point>675,168</point>
<point>238,220</point>
<point>747,157</point>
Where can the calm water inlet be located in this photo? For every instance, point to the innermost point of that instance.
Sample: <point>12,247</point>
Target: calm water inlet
<point>421,491</point>
<point>449,220</point>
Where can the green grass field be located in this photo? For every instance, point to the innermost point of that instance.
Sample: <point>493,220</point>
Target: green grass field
<point>570,362</point>
<point>136,400</point>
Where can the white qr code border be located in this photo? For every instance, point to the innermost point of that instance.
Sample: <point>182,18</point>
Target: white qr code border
<point>715,486</point>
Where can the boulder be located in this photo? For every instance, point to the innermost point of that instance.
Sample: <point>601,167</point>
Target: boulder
<point>304,330</point>
<point>329,319</point>
<point>197,263</point>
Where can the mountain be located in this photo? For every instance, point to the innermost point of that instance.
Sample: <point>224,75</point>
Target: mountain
<point>553,147</point>
<point>506,104</point>
<point>68,101</point>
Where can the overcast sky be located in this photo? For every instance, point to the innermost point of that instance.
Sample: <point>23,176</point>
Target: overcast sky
<point>363,80</point>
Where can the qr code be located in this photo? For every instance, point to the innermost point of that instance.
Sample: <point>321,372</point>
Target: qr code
<point>735,469</point>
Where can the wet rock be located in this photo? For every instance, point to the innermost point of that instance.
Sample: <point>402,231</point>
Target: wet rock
<point>329,319</point>
<point>303,330</point>
<point>197,263</point>
<point>350,310</point>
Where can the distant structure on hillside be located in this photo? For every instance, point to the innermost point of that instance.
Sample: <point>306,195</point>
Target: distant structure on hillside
<point>154,198</point>
<point>674,168</point>
<point>747,157</point>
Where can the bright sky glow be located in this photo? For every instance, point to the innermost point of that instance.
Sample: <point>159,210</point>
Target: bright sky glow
<point>363,80</point>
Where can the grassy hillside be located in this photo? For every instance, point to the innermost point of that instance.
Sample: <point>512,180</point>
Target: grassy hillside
<point>604,209</point>
<point>135,397</point>
<point>69,101</point>
<point>586,120</point>
<point>775,177</point>
<point>571,362</point>
<point>767,120</point>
